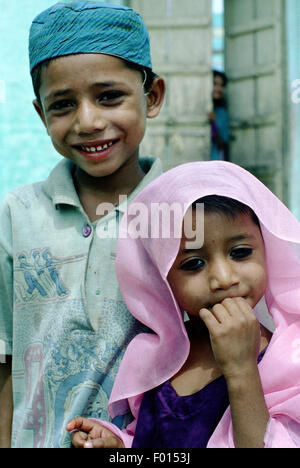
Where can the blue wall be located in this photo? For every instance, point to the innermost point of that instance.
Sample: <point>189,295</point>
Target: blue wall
<point>218,35</point>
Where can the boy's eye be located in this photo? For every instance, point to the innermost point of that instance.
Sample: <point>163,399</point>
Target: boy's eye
<point>192,264</point>
<point>110,97</point>
<point>241,252</point>
<point>60,105</point>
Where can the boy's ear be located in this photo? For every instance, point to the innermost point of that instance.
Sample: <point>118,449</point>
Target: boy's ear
<point>40,112</point>
<point>155,97</point>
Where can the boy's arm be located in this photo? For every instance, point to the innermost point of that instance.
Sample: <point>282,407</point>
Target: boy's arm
<point>6,403</point>
<point>6,322</point>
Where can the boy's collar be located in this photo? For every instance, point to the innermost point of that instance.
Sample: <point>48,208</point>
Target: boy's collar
<point>152,168</point>
<point>60,188</point>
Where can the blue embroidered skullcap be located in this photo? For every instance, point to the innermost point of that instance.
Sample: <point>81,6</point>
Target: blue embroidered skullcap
<point>89,27</point>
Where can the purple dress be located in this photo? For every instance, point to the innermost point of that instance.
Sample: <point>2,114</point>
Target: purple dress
<point>167,420</point>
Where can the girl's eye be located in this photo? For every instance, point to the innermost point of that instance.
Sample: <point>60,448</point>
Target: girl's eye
<point>241,252</point>
<point>110,97</point>
<point>193,264</point>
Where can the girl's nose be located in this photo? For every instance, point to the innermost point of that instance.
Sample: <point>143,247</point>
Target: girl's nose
<point>89,119</point>
<point>222,275</point>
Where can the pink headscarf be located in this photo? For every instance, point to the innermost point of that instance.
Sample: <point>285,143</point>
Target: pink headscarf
<point>142,269</point>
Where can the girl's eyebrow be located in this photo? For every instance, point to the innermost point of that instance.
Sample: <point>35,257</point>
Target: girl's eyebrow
<point>240,237</point>
<point>187,251</point>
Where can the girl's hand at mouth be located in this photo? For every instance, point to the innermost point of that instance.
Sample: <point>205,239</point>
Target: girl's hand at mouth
<point>234,334</point>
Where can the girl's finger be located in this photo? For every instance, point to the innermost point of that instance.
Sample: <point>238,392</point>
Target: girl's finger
<point>231,306</point>
<point>221,313</point>
<point>80,423</point>
<point>239,308</point>
<point>208,318</point>
<point>78,439</point>
<point>106,442</point>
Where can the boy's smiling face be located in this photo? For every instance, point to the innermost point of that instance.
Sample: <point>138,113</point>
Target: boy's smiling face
<point>95,110</point>
<point>231,263</point>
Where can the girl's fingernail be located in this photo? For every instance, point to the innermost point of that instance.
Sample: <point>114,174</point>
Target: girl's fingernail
<point>88,445</point>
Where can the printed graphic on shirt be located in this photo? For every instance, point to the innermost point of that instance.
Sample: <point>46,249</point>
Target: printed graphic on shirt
<point>35,419</point>
<point>69,371</point>
<point>38,275</point>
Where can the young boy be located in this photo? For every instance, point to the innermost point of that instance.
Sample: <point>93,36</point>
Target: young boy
<point>62,317</point>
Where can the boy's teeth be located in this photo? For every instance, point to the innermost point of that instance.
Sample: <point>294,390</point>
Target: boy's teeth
<point>92,149</point>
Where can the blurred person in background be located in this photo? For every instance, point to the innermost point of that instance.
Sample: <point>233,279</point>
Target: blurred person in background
<point>219,119</point>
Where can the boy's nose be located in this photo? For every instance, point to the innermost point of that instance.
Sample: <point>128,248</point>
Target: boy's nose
<point>222,276</point>
<point>89,119</point>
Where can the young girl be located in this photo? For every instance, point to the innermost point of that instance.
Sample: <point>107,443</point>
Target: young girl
<point>220,379</point>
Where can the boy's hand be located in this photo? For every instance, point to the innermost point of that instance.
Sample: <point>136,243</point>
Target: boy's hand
<point>90,434</point>
<point>234,334</point>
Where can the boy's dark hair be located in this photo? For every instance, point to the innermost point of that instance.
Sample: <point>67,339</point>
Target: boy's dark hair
<point>227,206</point>
<point>147,74</point>
<point>36,76</point>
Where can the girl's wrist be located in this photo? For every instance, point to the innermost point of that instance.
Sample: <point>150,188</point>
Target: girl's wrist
<point>239,378</point>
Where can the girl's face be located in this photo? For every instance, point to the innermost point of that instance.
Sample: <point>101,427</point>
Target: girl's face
<point>218,88</point>
<point>230,264</point>
<point>94,109</point>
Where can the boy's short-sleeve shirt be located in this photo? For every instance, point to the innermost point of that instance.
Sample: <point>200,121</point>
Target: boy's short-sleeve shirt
<point>62,316</point>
